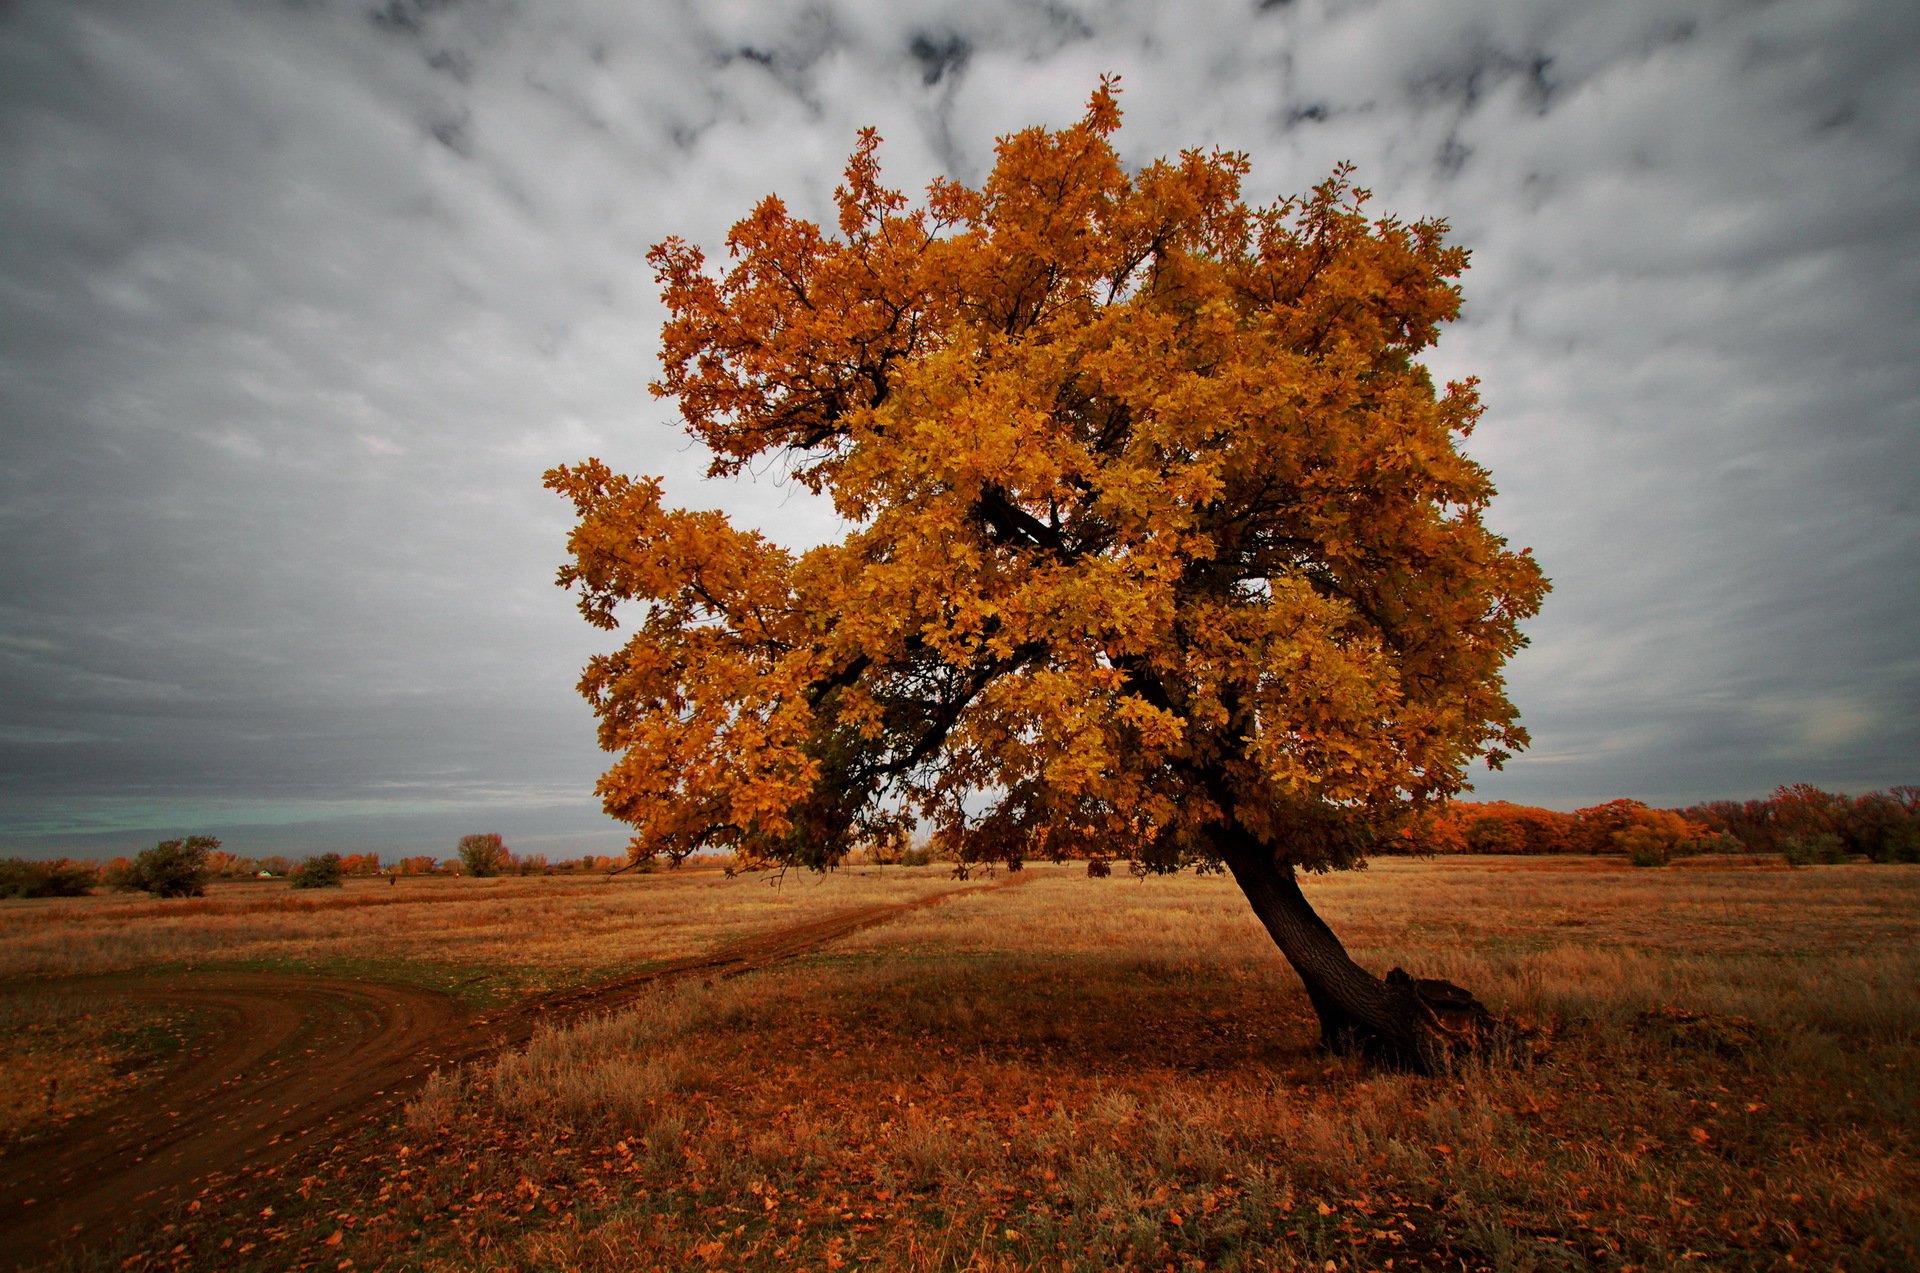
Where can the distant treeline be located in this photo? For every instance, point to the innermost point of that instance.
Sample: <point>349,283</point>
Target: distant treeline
<point>222,865</point>
<point>66,878</point>
<point>1801,822</point>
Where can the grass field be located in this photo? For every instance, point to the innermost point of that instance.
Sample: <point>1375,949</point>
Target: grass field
<point>1098,1074</point>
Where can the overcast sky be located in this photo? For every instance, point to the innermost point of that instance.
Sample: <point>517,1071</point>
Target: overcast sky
<point>298,299</point>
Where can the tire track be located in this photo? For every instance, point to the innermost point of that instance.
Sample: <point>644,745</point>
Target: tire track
<point>286,1058</point>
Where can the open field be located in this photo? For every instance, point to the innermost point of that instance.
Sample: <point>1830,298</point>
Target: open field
<point>1081,1074</point>
<point>531,932</point>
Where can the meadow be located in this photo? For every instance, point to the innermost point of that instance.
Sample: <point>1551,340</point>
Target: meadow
<point>1067,1073</point>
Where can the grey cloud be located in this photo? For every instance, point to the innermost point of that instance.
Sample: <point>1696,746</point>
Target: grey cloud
<point>300,300</point>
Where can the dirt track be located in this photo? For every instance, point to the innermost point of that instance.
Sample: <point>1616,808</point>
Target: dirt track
<point>288,1061</point>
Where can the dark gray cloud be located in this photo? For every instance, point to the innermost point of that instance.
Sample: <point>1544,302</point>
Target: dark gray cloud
<point>298,300</point>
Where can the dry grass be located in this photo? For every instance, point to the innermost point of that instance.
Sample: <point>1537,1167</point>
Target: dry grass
<point>1095,1075</point>
<point>526,932</point>
<point>63,1057</point>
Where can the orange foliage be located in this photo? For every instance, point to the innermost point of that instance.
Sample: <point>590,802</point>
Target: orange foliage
<point>1617,826</point>
<point>1158,529</point>
<point>1496,827</point>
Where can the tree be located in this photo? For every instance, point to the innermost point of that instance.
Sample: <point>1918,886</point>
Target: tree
<point>322,871</point>
<point>484,855</point>
<point>173,868</point>
<point>222,865</point>
<point>1159,543</point>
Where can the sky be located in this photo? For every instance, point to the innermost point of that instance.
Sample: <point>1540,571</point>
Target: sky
<point>299,298</point>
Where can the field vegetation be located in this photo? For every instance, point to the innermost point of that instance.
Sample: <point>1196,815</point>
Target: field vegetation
<point>503,934</point>
<point>1075,1073</point>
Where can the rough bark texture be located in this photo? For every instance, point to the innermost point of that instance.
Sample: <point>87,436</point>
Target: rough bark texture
<point>1412,1023</point>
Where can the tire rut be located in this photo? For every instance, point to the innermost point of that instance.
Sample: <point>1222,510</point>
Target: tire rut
<point>286,1060</point>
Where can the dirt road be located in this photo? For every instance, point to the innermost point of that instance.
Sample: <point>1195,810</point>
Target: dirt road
<point>284,1061</point>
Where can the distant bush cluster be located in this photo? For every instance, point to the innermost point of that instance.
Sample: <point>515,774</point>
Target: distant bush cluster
<point>323,871</point>
<point>60,878</point>
<point>1800,822</point>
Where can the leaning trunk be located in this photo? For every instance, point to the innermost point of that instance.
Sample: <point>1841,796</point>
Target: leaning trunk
<point>1401,1021</point>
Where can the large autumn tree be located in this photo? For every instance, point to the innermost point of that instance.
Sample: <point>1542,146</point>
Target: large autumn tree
<point>1159,543</point>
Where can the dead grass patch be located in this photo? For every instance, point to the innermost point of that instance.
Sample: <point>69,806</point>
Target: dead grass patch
<point>533,932</point>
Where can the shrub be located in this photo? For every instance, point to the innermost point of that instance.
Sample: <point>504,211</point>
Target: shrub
<point>483,855</point>
<point>323,871</point>
<point>1644,846</point>
<point>20,878</point>
<point>1810,847</point>
<point>918,855</point>
<point>173,868</point>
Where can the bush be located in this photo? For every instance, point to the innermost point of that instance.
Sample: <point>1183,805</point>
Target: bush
<point>483,855</point>
<point>918,855</point>
<point>1644,848</point>
<point>1817,846</point>
<point>173,868</point>
<point>323,871</point>
<point>20,878</point>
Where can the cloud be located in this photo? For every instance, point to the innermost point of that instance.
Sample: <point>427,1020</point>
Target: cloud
<point>301,299</point>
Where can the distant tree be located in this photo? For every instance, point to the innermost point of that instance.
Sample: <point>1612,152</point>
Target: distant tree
<point>531,864</point>
<point>222,865</point>
<point>59,878</point>
<point>321,871</point>
<point>422,864</point>
<point>484,855</point>
<point>1803,811</point>
<point>173,868</point>
<point>277,865</point>
<point>1880,825</point>
<point>1161,543</point>
<point>1598,824</point>
<point>360,864</point>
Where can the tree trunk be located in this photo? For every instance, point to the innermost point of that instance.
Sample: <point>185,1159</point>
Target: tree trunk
<point>1400,1021</point>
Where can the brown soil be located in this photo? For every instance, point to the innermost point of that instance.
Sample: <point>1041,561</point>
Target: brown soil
<point>286,1061</point>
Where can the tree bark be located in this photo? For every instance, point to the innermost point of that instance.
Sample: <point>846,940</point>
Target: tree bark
<point>1402,1021</point>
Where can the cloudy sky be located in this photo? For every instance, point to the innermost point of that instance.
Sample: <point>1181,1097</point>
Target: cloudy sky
<point>298,298</point>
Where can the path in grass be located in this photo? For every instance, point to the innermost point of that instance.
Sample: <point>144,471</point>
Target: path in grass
<point>285,1060</point>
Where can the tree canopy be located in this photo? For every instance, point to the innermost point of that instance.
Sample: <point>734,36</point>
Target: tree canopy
<point>1158,536</point>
